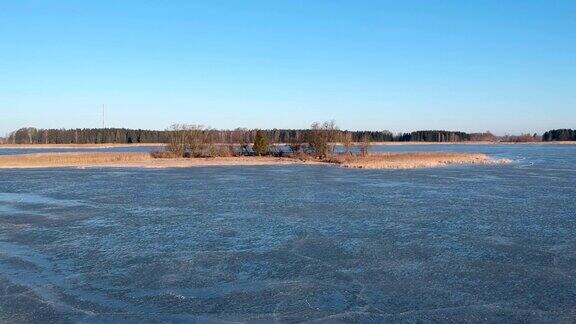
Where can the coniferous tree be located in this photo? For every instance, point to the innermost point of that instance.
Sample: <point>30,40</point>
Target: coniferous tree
<point>260,143</point>
<point>559,135</point>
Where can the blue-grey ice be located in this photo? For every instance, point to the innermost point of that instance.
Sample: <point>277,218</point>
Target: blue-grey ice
<point>493,243</point>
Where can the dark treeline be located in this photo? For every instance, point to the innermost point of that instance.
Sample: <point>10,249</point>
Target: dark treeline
<point>32,135</point>
<point>435,136</point>
<point>560,135</point>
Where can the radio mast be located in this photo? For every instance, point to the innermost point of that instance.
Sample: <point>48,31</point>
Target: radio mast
<point>103,124</point>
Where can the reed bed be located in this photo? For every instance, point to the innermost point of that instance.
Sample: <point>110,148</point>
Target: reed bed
<point>132,160</point>
<point>97,145</point>
<point>410,160</point>
<point>71,159</point>
<point>147,160</point>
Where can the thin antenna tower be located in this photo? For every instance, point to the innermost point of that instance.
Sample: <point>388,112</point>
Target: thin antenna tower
<point>103,124</point>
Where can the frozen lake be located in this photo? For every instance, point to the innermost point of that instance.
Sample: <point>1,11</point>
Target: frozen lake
<point>294,243</point>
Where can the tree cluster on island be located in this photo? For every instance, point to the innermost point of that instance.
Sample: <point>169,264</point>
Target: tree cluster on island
<point>194,141</point>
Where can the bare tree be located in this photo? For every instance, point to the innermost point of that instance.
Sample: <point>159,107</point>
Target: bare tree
<point>322,138</point>
<point>192,141</point>
<point>365,142</point>
<point>201,141</point>
<point>333,134</point>
<point>31,132</point>
<point>487,136</point>
<point>295,142</point>
<point>347,142</point>
<point>243,137</point>
<point>178,139</point>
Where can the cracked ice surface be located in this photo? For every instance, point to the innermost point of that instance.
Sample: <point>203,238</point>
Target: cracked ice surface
<point>293,243</point>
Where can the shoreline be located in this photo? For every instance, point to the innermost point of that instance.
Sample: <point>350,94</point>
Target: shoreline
<point>132,160</point>
<point>112,145</point>
<point>413,160</point>
<point>72,146</point>
<point>406,160</point>
<point>466,143</point>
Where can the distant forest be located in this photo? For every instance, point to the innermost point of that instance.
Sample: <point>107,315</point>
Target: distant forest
<point>560,135</point>
<point>236,136</point>
<point>86,136</point>
<point>241,135</point>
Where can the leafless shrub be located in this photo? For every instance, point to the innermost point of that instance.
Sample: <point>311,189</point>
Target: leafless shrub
<point>222,151</point>
<point>228,150</point>
<point>322,138</point>
<point>192,141</point>
<point>178,139</point>
<point>524,138</point>
<point>346,139</point>
<point>295,143</point>
<point>365,143</point>
<point>487,136</point>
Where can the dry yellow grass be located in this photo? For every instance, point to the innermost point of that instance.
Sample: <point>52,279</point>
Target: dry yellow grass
<point>145,160</point>
<point>140,160</point>
<point>99,145</point>
<point>411,160</point>
<point>71,159</point>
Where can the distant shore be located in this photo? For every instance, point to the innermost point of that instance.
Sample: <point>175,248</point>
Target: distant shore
<point>131,160</point>
<point>84,146</point>
<point>473,143</point>
<point>112,145</point>
<point>144,160</point>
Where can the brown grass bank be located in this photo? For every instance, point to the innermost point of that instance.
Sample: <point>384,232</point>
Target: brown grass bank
<point>145,160</point>
<point>136,160</point>
<point>84,146</point>
<point>410,160</point>
<point>43,160</point>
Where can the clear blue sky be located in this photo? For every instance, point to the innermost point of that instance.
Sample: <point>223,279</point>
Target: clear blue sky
<point>505,66</point>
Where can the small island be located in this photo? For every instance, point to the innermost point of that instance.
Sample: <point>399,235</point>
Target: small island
<point>195,146</point>
<point>144,160</point>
